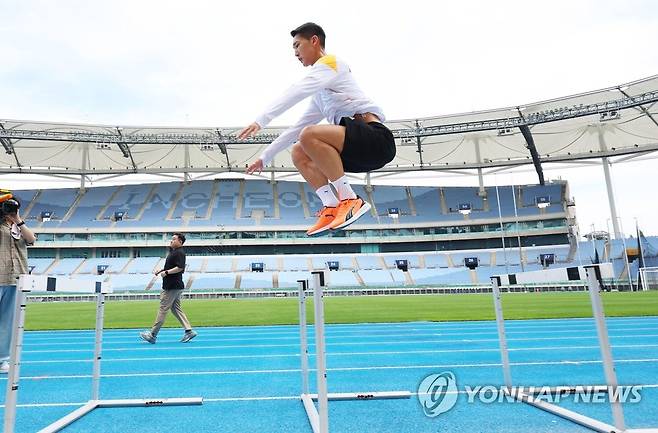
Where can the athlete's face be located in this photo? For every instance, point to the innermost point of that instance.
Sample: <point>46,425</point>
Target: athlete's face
<point>307,51</point>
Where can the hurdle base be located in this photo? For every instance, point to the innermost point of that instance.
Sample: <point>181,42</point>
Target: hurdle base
<point>96,404</point>
<point>570,415</point>
<point>312,412</point>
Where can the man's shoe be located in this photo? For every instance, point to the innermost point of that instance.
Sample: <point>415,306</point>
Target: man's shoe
<point>325,217</point>
<point>4,367</point>
<point>147,336</point>
<point>348,211</point>
<point>188,336</point>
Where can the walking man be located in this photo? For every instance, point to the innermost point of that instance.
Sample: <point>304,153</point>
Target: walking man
<point>172,289</point>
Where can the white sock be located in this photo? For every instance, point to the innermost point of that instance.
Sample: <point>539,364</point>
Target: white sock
<point>327,196</point>
<point>343,188</point>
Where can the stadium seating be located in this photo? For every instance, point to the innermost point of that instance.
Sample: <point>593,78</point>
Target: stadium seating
<point>214,281</point>
<point>256,280</point>
<point>243,202</point>
<point>92,202</point>
<point>142,265</point>
<point>194,200</point>
<point>115,265</point>
<point>357,270</point>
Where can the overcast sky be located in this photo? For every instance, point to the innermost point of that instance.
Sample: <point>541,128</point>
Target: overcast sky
<point>210,63</point>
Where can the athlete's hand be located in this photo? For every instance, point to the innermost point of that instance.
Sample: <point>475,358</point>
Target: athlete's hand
<point>249,131</point>
<point>256,167</point>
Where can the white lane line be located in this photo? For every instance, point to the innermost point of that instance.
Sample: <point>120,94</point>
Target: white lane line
<point>361,333</point>
<point>358,327</point>
<point>373,353</point>
<point>144,347</point>
<point>370,368</point>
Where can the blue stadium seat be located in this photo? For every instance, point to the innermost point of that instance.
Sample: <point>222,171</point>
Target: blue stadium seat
<point>142,265</point>
<point>258,195</point>
<point>427,201</point>
<point>195,199</point>
<point>342,279</point>
<point>376,277</point>
<point>57,201</point>
<point>131,282</point>
<point>90,206</point>
<point>116,265</point>
<point>369,262</point>
<point>441,277</point>
<point>214,282</point>
<point>65,266</point>
<point>289,279</point>
<point>436,260</point>
<point>256,280</point>
<point>219,264</point>
<point>40,265</point>
<point>128,200</point>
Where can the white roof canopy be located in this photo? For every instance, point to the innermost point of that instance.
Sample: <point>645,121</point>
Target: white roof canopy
<point>615,121</point>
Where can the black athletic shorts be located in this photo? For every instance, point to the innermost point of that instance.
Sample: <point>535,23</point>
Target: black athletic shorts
<point>367,147</point>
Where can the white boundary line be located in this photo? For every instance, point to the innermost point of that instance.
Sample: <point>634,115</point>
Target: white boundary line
<point>143,347</point>
<point>296,355</point>
<point>456,325</point>
<point>370,368</point>
<point>295,336</point>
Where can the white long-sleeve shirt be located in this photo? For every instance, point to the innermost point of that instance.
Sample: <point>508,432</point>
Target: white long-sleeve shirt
<point>335,95</point>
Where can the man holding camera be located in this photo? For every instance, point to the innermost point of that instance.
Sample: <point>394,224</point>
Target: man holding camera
<point>14,239</point>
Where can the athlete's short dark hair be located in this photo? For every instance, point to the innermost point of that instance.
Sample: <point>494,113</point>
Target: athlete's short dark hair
<point>308,30</point>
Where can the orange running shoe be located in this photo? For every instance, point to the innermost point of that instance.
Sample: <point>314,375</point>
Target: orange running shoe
<point>348,211</point>
<point>325,217</point>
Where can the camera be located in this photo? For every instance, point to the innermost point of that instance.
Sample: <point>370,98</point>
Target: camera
<point>8,203</point>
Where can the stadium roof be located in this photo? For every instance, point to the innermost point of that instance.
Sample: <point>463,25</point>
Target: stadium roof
<point>619,120</point>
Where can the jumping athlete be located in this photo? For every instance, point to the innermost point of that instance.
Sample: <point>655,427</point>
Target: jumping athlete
<point>355,141</point>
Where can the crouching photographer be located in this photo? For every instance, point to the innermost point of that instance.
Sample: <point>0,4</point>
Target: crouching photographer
<point>14,239</point>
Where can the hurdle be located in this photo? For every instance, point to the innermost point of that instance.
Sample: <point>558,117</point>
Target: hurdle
<point>44,283</point>
<point>319,417</point>
<point>594,276</point>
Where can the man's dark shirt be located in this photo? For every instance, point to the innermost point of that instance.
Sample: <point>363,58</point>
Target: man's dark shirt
<point>176,258</point>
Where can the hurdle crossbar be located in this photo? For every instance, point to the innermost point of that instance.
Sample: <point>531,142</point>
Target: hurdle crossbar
<point>318,417</point>
<point>37,283</point>
<point>593,276</point>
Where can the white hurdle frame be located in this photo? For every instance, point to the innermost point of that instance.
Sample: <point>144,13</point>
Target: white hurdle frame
<point>606,354</point>
<point>32,283</point>
<point>319,417</point>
